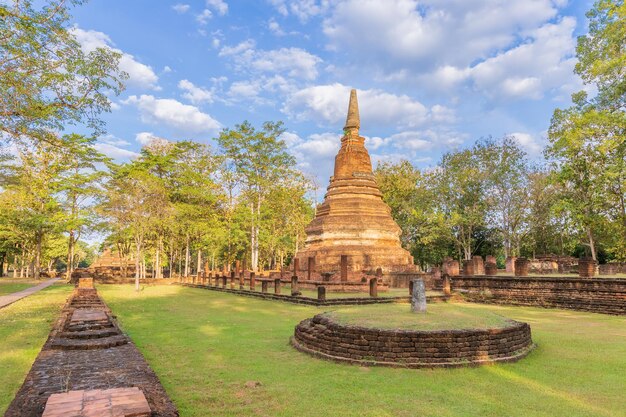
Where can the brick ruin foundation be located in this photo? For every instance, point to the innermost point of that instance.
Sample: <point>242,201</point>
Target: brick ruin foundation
<point>320,336</point>
<point>599,295</point>
<point>87,360</point>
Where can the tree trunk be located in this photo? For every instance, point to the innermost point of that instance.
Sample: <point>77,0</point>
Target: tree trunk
<point>199,262</point>
<point>156,268</point>
<point>37,263</point>
<point>70,256</point>
<point>137,262</point>
<point>592,244</point>
<point>187,257</point>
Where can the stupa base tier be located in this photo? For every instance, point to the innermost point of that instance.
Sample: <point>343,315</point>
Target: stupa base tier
<point>358,260</point>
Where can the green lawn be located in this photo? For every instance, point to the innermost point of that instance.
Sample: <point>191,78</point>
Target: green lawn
<point>11,285</point>
<point>24,328</point>
<point>209,348</point>
<point>438,316</point>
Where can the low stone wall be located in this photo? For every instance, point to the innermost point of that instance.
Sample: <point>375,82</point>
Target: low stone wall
<point>599,295</point>
<point>313,301</point>
<point>322,337</point>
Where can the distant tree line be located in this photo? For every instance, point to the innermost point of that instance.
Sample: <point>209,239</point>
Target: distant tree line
<point>182,205</point>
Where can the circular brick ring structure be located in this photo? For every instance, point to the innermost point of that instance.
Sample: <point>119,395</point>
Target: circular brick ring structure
<point>324,338</point>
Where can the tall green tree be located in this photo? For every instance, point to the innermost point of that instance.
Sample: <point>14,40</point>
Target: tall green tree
<point>261,159</point>
<point>46,81</point>
<point>506,173</point>
<point>588,140</point>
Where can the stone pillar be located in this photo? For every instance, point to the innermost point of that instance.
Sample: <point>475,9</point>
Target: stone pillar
<point>252,281</point>
<point>468,268</point>
<point>296,266</point>
<point>418,297</point>
<point>344,268</point>
<point>224,281</point>
<point>490,259</point>
<point>294,286</point>
<point>436,272</point>
<point>232,280</point>
<point>479,266</point>
<point>586,267</point>
<point>321,293</point>
<point>277,286</point>
<point>237,266</point>
<point>310,267</point>
<point>451,267</point>
<point>209,278</point>
<point>510,264</point>
<point>264,287</point>
<point>373,287</point>
<point>242,280</point>
<point>446,284</point>
<point>522,265</point>
<point>491,268</point>
<point>410,288</point>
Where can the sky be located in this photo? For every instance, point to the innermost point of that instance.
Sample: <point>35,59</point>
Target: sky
<point>431,75</point>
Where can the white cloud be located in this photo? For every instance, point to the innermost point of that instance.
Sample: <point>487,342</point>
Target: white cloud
<point>505,50</point>
<point>275,28</point>
<point>329,104</point>
<point>113,140</point>
<point>528,143</point>
<point>195,94</point>
<point>173,113</point>
<point>220,6</point>
<point>204,17</point>
<point>454,32</point>
<point>114,151</point>
<point>181,8</point>
<point>320,145</point>
<point>145,137</point>
<point>294,62</point>
<point>140,75</point>
<point>167,69</point>
<point>303,9</point>
<point>242,47</point>
<point>544,62</point>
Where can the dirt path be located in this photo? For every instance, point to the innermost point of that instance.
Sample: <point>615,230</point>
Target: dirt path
<point>5,300</point>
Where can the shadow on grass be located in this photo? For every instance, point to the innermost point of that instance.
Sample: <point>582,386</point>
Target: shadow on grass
<point>226,355</point>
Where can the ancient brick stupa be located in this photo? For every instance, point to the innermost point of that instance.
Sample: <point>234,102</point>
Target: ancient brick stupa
<point>353,221</point>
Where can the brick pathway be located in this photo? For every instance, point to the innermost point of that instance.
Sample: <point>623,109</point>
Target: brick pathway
<point>5,300</point>
<point>87,354</point>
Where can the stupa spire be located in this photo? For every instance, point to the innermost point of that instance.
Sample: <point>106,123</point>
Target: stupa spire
<point>353,121</point>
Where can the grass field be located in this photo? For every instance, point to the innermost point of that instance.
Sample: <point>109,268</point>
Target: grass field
<point>24,328</point>
<point>11,285</point>
<point>438,316</point>
<point>210,348</point>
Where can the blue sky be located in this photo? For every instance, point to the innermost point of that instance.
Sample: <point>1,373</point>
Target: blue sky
<point>431,75</point>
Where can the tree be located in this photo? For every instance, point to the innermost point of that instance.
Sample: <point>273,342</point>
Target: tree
<point>80,184</point>
<point>461,192</point>
<point>46,81</point>
<point>411,195</point>
<point>506,189</point>
<point>260,157</point>
<point>588,140</point>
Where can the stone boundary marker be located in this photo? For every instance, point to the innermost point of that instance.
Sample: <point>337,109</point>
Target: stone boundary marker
<point>317,302</point>
<point>5,300</point>
<point>324,338</point>
<point>86,363</point>
<point>597,295</point>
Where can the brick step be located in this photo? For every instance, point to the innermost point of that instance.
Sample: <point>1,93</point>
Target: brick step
<point>88,326</point>
<point>90,334</point>
<point>89,344</point>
